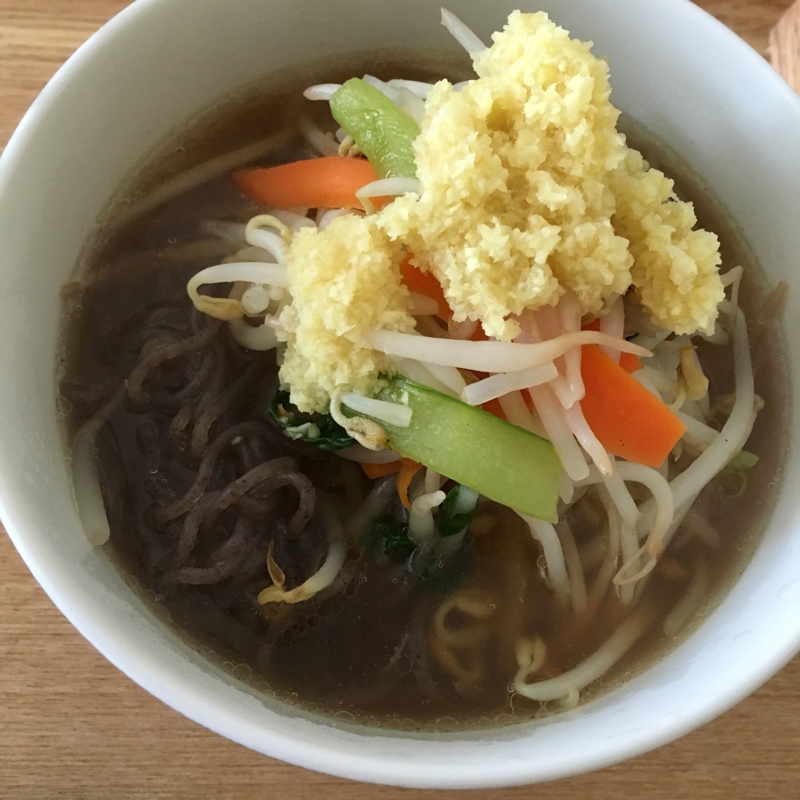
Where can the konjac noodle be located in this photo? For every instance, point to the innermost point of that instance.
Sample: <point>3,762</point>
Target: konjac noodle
<point>427,405</point>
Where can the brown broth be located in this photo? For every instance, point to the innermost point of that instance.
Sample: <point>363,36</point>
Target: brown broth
<point>365,654</point>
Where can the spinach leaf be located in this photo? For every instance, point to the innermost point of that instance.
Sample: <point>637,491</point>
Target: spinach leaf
<point>456,511</point>
<point>390,537</point>
<point>318,430</point>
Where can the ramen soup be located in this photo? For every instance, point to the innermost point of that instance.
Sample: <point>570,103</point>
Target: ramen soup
<point>426,405</point>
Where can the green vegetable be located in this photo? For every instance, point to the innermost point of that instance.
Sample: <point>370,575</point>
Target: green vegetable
<point>318,430</point>
<point>455,513</point>
<point>732,481</point>
<point>741,462</point>
<point>501,461</point>
<point>389,536</point>
<point>438,567</point>
<point>383,132</point>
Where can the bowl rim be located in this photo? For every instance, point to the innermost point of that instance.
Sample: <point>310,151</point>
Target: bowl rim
<point>347,763</point>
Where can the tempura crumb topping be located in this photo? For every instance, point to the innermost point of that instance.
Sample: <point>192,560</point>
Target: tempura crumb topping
<point>527,189</point>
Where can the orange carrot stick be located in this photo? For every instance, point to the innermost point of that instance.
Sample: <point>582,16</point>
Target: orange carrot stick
<point>629,362</point>
<point>626,418</point>
<point>407,472</point>
<point>374,471</point>
<point>425,283</point>
<point>329,182</point>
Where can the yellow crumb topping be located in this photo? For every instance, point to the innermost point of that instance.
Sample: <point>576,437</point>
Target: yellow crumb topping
<point>676,268</point>
<point>527,190</point>
<point>515,204</point>
<point>344,281</point>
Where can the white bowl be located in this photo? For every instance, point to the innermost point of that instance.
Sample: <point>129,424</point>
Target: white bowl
<point>158,65</point>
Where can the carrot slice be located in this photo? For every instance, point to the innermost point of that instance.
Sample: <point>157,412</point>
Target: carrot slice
<point>407,472</point>
<point>425,283</point>
<point>627,419</point>
<point>329,182</point>
<point>374,471</point>
<point>629,362</point>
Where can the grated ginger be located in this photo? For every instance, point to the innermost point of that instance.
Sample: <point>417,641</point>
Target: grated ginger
<point>676,268</point>
<point>527,190</point>
<point>344,281</point>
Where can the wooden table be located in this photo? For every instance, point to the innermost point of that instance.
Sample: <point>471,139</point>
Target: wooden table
<point>72,726</point>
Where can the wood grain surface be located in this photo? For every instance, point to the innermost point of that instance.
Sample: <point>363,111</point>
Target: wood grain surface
<point>784,46</point>
<point>72,726</point>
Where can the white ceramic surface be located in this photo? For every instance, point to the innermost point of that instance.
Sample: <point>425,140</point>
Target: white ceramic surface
<point>158,64</point>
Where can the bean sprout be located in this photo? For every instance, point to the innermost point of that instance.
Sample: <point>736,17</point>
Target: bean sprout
<point>546,535</point>
<point>85,476</point>
<point>595,665</point>
<point>461,33</point>
<point>497,385</point>
<point>490,356</point>
<point>323,577</point>
<point>693,597</point>
<point>421,525</point>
